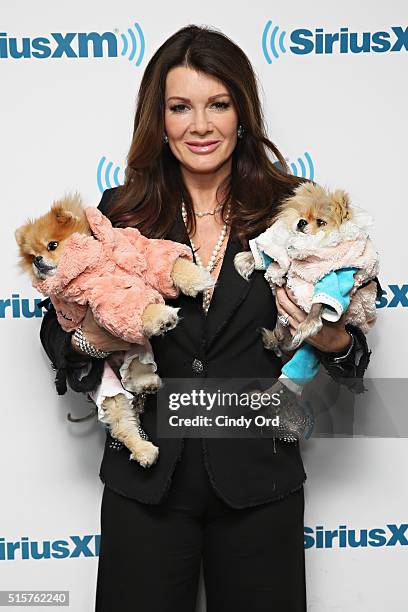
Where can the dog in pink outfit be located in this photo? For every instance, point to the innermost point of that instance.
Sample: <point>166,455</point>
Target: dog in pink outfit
<point>76,257</point>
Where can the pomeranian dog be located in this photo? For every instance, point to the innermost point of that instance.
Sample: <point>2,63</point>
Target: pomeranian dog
<point>42,243</point>
<point>311,211</point>
<point>311,222</point>
<point>317,244</point>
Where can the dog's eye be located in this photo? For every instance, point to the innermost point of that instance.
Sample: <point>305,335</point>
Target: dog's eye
<point>51,246</point>
<point>320,222</point>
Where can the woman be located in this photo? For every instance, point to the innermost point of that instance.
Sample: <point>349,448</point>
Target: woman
<point>235,503</point>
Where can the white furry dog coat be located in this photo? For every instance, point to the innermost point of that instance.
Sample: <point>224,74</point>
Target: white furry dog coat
<point>300,260</point>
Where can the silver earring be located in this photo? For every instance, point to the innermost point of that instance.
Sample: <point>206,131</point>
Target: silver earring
<point>165,139</point>
<point>240,131</point>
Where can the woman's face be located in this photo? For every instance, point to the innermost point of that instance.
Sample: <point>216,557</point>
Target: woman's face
<point>200,120</point>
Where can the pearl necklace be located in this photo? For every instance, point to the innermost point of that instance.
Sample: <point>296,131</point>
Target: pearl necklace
<point>212,262</point>
<point>208,212</point>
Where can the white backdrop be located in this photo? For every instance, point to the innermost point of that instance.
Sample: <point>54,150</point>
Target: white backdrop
<point>66,123</point>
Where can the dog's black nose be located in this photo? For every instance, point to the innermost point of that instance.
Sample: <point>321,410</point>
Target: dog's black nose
<point>38,258</point>
<point>301,224</point>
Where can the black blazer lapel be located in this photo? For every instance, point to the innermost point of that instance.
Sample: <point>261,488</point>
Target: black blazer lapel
<point>229,293</point>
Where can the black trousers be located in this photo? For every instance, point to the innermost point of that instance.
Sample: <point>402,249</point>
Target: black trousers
<point>150,555</point>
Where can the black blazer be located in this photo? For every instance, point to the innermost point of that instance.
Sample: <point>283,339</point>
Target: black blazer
<point>244,471</point>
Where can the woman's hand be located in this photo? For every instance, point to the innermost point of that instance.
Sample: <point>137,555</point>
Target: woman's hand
<point>99,337</point>
<point>332,338</point>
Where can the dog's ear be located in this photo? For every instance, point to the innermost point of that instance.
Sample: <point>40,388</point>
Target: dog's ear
<point>19,235</point>
<point>62,215</point>
<point>341,201</point>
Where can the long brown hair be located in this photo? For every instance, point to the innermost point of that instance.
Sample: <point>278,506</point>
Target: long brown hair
<point>153,188</point>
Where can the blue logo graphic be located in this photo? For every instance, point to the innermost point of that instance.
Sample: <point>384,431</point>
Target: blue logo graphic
<point>107,175</point>
<point>301,167</point>
<point>73,547</point>
<point>393,296</point>
<point>271,43</point>
<point>303,41</point>
<point>344,537</point>
<point>17,307</point>
<point>305,169</point>
<point>74,45</point>
<point>133,44</point>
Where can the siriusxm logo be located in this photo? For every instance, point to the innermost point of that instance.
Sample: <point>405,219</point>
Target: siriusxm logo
<point>343,537</point>
<point>303,41</point>
<point>17,307</point>
<point>74,45</point>
<point>76,546</point>
<point>73,547</point>
<point>393,296</point>
<point>108,175</point>
<point>303,166</point>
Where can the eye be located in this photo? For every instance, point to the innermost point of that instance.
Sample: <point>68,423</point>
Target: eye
<point>320,222</point>
<point>221,105</point>
<point>178,108</point>
<point>51,246</point>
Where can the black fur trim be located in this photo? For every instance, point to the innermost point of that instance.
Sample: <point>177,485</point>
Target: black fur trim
<point>68,371</point>
<point>350,372</point>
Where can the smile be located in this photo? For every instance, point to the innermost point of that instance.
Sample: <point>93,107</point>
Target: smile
<point>204,147</point>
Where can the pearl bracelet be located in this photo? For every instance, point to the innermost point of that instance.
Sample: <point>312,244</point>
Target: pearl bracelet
<point>86,347</point>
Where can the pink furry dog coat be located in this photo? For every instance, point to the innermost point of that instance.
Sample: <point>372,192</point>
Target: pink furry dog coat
<point>117,272</point>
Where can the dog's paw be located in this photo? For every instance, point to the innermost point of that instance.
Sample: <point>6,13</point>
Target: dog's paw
<point>244,263</point>
<point>269,339</point>
<point>200,280</point>
<point>158,319</point>
<point>145,453</point>
<point>190,278</point>
<point>146,383</point>
<point>296,342</point>
<point>306,329</point>
<point>278,352</point>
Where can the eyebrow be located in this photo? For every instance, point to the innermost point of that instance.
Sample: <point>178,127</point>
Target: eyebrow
<point>188,99</point>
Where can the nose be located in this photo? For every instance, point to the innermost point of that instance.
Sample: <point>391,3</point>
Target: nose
<point>201,124</point>
<point>301,224</point>
<point>38,258</point>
